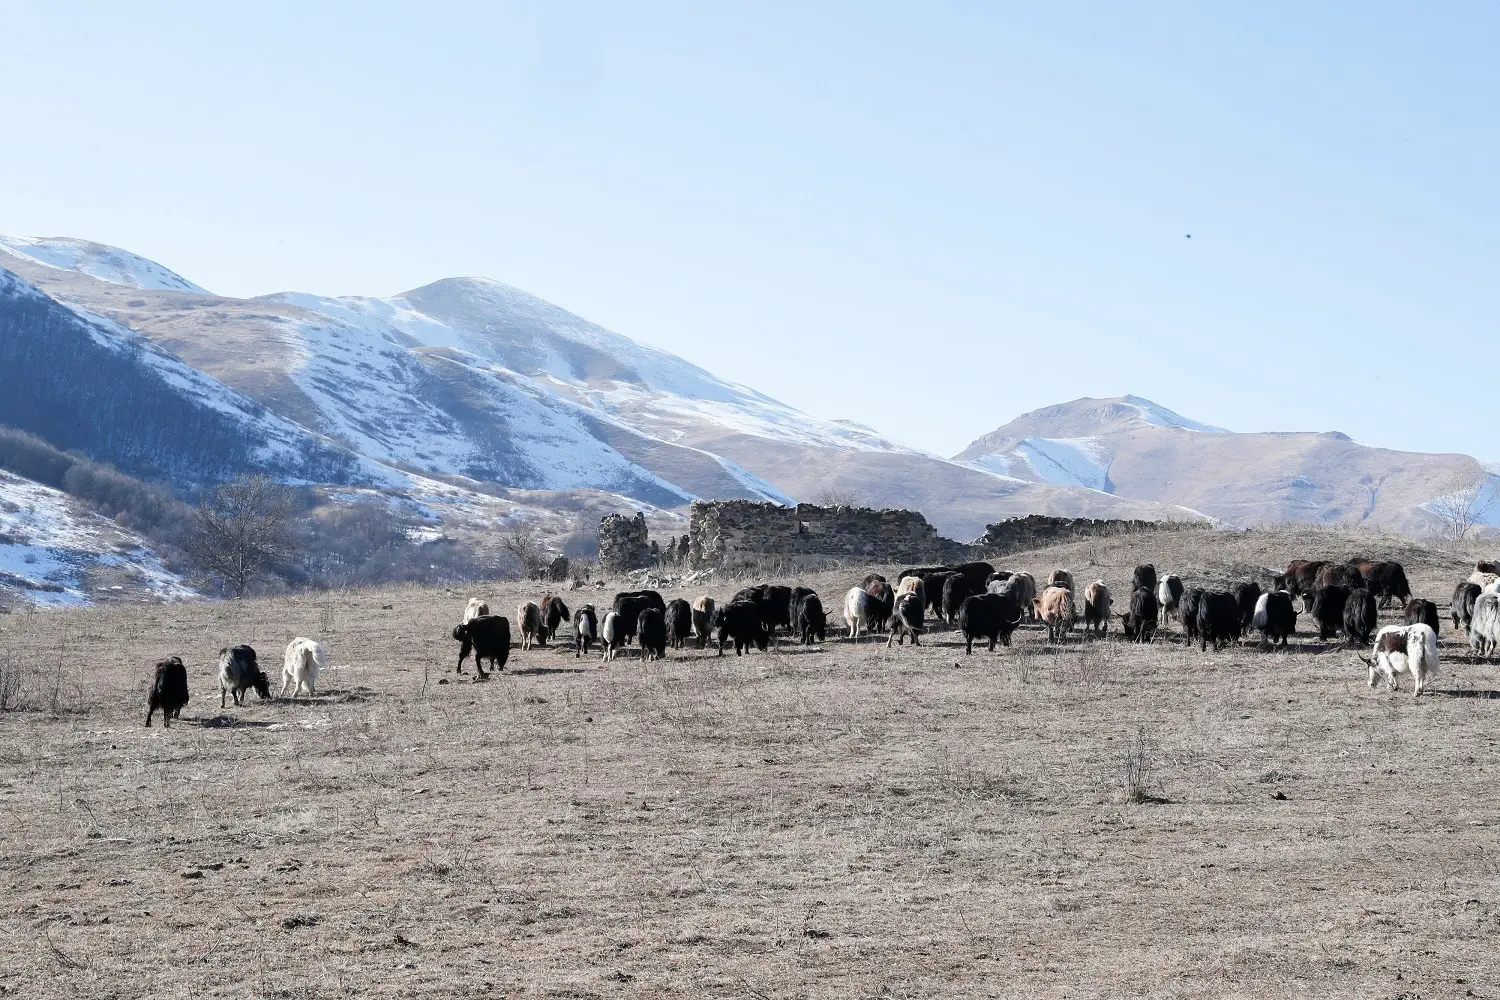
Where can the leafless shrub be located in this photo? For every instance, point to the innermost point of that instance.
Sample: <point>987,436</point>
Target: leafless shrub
<point>1461,510</point>
<point>242,527</point>
<point>523,545</point>
<point>1139,767</point>
<point>13,678</point>
<point>840,496</point>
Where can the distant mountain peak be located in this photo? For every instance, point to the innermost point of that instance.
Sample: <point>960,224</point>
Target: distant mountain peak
<point>97,260</point>
<point>1155,413</point>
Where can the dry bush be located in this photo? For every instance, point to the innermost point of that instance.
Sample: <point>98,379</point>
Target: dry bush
<point>1139,768</point>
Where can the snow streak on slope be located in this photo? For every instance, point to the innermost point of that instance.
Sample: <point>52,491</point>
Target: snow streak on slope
<point>1154,413</point>
<point>120,267</point>
<point>1060,461</point>
<point>48,547</point>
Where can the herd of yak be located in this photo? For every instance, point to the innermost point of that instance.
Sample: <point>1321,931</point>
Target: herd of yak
<point>989,604</point>
<point>983,602</point>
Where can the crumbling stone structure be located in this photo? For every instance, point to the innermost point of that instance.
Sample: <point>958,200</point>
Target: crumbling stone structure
<point>623,544</point>
<point>728,532</point>
<point>1018,534</point>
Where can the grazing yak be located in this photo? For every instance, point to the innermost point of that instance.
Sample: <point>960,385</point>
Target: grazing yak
<point>651,633</point>
<point>1386,580</point>
<point>1340,575</point>
<point>955,589</point>
<point>1420,612</point>
<point>1168,595</point>
<point>1144,576</point>
<point>1055,608</point>
<point>776,607</point>
<point>239,672</point>
<point>1360,616</point>
<point>169,691</point>
<point>533,632</point>
<point>999,576</point>
<point>977,574</point>
<point>1483,580</point>
<point>1245,597</point>
<point>679,623</point>
<point>488,638</point>
<point>906,620</point>
<point>739,622</point>
<point>1275,617</point>
<point>881,591</point>
<point>1328,610</point>
<point>1462,608</point>
<point>1484,629</point>
<point>872,578</point>
<point>1404,649</point>
<point>585,629</point>
<point>932,591</point>
<point>1139,623</point>
<point>305,659</point>
<point>1061,578</point>
<point>1022,589</point>
<point>629,604</point>
<point>613,635</point>
<point>809,621</point>
<point>988,616</point>
<point>1218,620</point>
<point>475,608</point>
<point>554,613</point>
<point>1187,612</point>
<point>1301,579</point>
<point>1096,606</point>
<point>703,619</point>
<point>909,585</point>
<point>863,609</point>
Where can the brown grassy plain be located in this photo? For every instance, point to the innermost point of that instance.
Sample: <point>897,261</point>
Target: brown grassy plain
<point>831,821</point>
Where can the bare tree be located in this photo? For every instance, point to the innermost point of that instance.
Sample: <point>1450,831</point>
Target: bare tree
<point>524,546</point>
<point>241,528</point>
<point>1461,510</point>
<point>839,496</point>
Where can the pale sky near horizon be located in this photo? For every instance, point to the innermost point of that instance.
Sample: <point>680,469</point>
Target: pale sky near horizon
<point>928,218</point>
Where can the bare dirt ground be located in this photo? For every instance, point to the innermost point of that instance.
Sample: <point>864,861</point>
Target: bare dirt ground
<point>831,821</point>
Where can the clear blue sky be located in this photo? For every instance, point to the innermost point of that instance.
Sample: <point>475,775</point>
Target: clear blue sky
<point>925,217</point>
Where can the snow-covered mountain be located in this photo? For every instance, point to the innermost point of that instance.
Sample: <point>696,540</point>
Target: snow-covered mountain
<point>468,377</point>
<point>1132,447</point>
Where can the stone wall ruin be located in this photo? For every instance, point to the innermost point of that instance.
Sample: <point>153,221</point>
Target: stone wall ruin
<point>732,532</point>
<point>1033,531</point>
<point>623,544</point>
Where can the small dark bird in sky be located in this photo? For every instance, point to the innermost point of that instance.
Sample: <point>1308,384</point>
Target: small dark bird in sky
<point>1189,236</point>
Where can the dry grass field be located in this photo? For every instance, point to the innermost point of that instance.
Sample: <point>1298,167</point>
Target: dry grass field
<point>830,821</point>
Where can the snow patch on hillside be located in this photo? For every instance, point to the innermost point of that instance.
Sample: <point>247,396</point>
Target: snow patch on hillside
<point>107,263</point>
<point>1154,413</point>
<point>49,547</point>
<point>1067,461</point>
